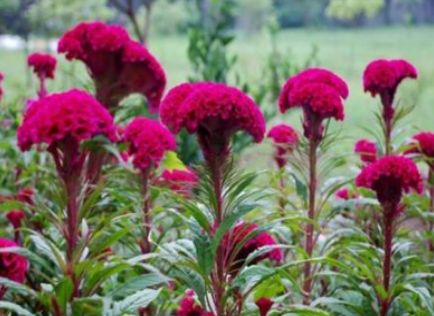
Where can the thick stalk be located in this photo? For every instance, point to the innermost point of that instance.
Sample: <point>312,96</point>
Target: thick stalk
<point>42,92</point>
<point>387,263</point>
<point>146,244</point>
<point>309,228</point>
<point>431,205</point>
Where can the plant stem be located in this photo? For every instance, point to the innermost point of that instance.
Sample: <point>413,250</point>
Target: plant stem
<point>146,244</point>
<point>387,264</point>
<point>431,205</point>
<point>309,228</point>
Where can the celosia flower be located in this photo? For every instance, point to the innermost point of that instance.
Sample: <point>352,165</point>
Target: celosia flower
<point>15,217</point>
<point>26,196</point>
<point>215,112</point>
<point>149,140</point>
<point>1,90</point>
<point>43,65</point>
<point>188,307</point>
<point>366,149</point>
<point>180,181</point>
<point>346,194</point>
<point>390,177</point>
<point>320,93</point>
<point>238,234</point>
<point>118,65</point>
<point>285,139</point>
<point>264,304</point>
<point>12,266</point>
<point>424,144</point>
<point>72,116</point>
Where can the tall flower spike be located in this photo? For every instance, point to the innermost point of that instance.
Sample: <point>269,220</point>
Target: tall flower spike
<point>119,65</point>
<point>285,138</point>
<point>215,112</point>
<point>366,149</point>
<point>320,93</point>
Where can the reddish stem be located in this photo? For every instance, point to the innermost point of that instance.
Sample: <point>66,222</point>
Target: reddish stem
<point>42,92</point>
<point>387,263</point>
<point>146,244</point>
<point>388,114</point>
<point>431,205</point>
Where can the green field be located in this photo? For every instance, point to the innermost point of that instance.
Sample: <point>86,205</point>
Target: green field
<point>343,51</point>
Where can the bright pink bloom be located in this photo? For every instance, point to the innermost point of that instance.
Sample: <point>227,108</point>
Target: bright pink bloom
<point>214,111</point>
<point>118,65</point>
<point>264,304</point>
<point>346,194</point>
<point>180,181</point>
<point>366,149</point>
<point>149,140</point>
<point>390,177</point>
<point>425,143</point>
<point>188,307</point>
<point>15,217</point>
<point>69,116</point>
<point>43,65</point>
<point>12,266</point>
<point>285,139</point>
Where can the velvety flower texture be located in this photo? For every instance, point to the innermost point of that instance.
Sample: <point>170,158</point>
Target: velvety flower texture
<point>390,177</point>
<point>180,181</point>
<point>119,65</point>
<point>424,143</point>
<point>346,194</point>
<point>264,305</point>
<point>319,92</point>
<point>384,76</point>
<point>12,266</point>
<point>68,116</point>
<point>238,234</point>
<point>214,111</point>
<point>149,140</point>
<point>15,217</point>
<point>188,307</point>
<point>285,139</point>
<point>366,149</point>
<point>43,65</point>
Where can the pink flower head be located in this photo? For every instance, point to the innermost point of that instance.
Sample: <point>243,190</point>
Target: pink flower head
<point>15,217</point>
<point>346,194</point>
<point>43,65</point>
<point>118,65</point>
<point>366,149</point>
<point>149,140</point>
<point>180,181</point>
<point>384,76</point>
<point>390,177</point>
<point>64,117</point>
<point>319,92</point>
<point>12,266</point>
<point>264,304</point>
<point>238,234</point>
<point>215,112</point>
<point>424,143</point>
<point>188,306</point>
<point>1,90</point>
<point>285,139</point>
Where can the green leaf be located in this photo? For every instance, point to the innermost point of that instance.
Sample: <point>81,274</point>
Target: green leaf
<point>64,292</point>
<point>16,287</point>
<point>205,254</point>
<point>139,283</point>
<point>132,303</point>
<point>172,162</point>
<point>15,308</point>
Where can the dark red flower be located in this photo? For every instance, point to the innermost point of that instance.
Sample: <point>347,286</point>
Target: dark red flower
<point>366,149</point>
<point>264,304</point>
<point>346,194</point>
<point>188,307</point>
<point>180,181</point>
<point>390,177</point>
<point>285,139</point>
<point>72,115</point>
<point>15,217</point>
<point>12,266</point>
<point>26,196</point>
<point>119,65</point>
<point>149,140</point>
<point>215,112</point>
<point>43,65</point>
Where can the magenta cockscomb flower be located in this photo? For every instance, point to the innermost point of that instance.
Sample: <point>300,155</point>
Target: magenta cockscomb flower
<point>149,140</point>
<point>43,65</point>
<point>390,177</point>
<point>180,181</point>
<point>424,144</point>
<point>189,307</point>
<point>366,149</point>
<point>64,118</point>
<point>285,138</point>
<point>346,194</point>
<point>264,305</point>
<point>215,112</point>
<point>1,90</point>
<point>12,265</point>
<point>15,217</point>
<point>119,65</point>
<point>320,93</point>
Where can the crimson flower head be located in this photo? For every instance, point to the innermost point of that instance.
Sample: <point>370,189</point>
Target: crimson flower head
<point>424,144</point>
<point>15,217</point>
<point>43,65</point>
<point>180,181</point>
<point>215,112</point>
<point>264,304</point>
<point>119,65</point>
<point>285,139</point>
<point>189,307</point>
<point>26,196</point>
<point>1,90</point>
<point>149,140</point>
<point>65,118</point>
<point>390,177</point>
<point>346,194</point>
<point>12,265</point>
<point>320,93</point>
<point>366,149</point>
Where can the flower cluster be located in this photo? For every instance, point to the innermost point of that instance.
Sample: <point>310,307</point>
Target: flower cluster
<point>188,307</point>
<point>285,139</point>
<point>346,194</point>
<point>424,144</point>
<point>119,65</point>
<point>15,217</point>
<point>72,115</point>
<point>366,149</point>
<point>149,140</point>
<point>180,181</point>
<point>215,111</point>
<point>43,65</point>
<point>319,92</point>
<point>12,266</point>
<point>390,177</point>
<point>384,76</point>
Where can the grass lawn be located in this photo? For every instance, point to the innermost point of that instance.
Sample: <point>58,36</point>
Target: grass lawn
<point>343,51</point>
